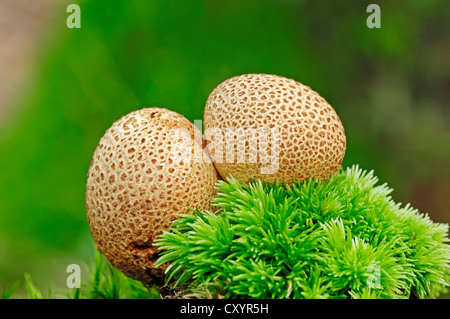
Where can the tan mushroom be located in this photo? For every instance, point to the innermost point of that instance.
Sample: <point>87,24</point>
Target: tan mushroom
<point>143,173</point>
<point>303,135</point>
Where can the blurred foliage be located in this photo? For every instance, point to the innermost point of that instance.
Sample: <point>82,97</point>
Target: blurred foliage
<point>103,281</point>
<point>390,86</point>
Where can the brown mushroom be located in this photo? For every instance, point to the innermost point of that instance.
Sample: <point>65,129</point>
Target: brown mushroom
<point>262,126</point>
<point>143,173</point>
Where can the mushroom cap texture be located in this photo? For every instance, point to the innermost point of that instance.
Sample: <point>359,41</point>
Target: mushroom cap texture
<point>136,185</point>
<point>298,134</point>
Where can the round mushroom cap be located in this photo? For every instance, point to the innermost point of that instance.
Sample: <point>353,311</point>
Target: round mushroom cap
<point>268,127</point>
<point>148,167</point>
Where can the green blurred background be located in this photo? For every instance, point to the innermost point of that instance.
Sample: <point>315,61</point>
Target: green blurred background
<point>390,87</point>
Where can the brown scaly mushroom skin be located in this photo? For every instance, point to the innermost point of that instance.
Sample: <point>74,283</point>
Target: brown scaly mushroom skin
<point>135,187</point>
<point>311,141</point>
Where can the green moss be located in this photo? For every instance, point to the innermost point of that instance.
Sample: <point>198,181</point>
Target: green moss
<point>103,282</point>
<point>341,238</point>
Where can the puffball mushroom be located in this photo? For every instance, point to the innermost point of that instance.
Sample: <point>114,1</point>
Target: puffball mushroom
<point>262,126</point>
<point>142,174</point>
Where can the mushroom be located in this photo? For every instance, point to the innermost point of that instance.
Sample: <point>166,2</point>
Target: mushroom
<point>148,167</point>
<point>262,126</point>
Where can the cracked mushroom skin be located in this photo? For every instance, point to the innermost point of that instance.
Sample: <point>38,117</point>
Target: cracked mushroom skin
<point>136,185</point>
<point>308,140</point>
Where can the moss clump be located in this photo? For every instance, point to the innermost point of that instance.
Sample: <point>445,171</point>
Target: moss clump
<point>340,238</point>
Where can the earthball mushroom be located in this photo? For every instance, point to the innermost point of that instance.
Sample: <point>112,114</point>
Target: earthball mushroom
<point>268,127</point>
<point>149,166</point>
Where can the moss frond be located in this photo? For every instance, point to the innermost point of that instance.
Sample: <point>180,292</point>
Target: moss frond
<point>340,238</point>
